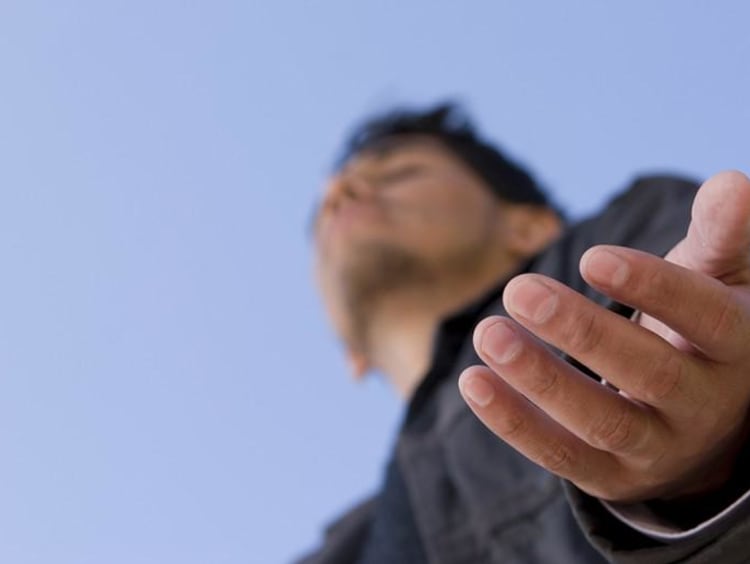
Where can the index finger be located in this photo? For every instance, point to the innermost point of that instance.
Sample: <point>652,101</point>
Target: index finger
<point>711,315</point>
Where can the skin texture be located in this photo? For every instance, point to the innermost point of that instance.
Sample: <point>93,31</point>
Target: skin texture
<point>677,416</point>
<point>404,236</point>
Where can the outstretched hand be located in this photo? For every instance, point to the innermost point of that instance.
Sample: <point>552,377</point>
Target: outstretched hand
<point>674,416</point>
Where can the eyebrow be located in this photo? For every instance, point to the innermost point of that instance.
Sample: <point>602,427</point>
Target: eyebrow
<point>385,147</point>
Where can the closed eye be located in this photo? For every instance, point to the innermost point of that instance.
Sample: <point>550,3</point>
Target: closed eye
<point>398,174</point>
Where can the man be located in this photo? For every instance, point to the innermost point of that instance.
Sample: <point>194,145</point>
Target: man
<point>425,233</point>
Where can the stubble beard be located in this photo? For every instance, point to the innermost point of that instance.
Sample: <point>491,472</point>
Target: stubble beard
<point>378,272</point>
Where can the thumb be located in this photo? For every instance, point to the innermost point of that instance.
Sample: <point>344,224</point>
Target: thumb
<point>718,238</point>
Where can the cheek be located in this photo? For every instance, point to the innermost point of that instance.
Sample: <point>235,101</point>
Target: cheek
<point>461,198</point>
<point>434,207</point>
<point>441,213</point>
<point>459,215</point>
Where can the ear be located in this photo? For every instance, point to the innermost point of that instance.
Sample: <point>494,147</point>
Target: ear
<point>530,228</point>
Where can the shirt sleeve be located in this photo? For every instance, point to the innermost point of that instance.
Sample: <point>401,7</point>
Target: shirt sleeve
<point>642,518</point>
<point>645,536</point>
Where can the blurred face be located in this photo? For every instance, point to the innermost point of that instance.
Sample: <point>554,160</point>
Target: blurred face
<point>403,216</point>
<point>415,195</point>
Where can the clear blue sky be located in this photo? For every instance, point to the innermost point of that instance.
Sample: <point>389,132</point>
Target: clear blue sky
<point>169,388</point>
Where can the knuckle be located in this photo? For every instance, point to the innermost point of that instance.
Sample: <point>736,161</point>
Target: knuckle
<point>557,458</point>
<point>544,382</point>
<point>661,384</point>
<point>512,424</point>
<point>613,432</point>
<point>584,334</point>
<point>723,320</point>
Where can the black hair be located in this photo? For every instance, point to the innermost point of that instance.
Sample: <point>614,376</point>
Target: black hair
<point>448,123</point>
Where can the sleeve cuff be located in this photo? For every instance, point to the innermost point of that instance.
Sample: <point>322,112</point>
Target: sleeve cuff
<point>640,517</point>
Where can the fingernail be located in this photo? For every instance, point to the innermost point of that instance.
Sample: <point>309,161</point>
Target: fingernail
<point>477,390</point>
<point>533,301</point>
<point>606,267</point>
<point>500,343</point>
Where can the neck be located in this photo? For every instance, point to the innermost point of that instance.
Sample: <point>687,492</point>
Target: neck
<point>402,330</point>
<point>401,345</point>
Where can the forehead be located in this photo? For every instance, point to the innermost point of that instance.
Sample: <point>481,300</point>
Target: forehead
<point>389,149</point>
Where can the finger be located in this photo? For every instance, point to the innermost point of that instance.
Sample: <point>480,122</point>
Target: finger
<point>718,323</point>
<point>630,357</point>
<point>512,418</point>
<point>594,413</point>
<point>718,238</point>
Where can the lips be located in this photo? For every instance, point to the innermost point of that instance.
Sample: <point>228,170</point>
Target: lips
<point>349,218</point>
<point>354,213</point>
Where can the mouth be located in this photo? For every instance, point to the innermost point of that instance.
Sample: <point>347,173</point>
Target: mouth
<point>354,214</point>
<point>352,219</point>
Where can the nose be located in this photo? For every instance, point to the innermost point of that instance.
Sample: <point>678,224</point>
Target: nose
<point>347,186</point>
